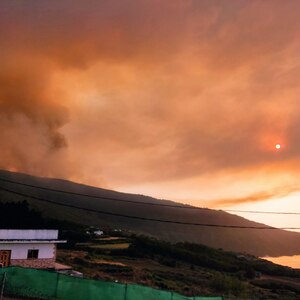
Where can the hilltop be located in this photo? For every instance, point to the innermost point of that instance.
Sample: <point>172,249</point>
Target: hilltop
<point>252,241</point>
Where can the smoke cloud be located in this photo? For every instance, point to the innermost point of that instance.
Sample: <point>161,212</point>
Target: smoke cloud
<point>136,92</point>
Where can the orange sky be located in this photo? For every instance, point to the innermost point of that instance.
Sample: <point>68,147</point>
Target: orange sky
<point>183,100</point>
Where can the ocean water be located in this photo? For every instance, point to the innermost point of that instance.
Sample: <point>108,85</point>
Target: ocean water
<point>289,261</point>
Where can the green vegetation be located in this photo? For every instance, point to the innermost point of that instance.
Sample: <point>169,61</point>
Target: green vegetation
<point>19,215</point>
<point>203,256</point>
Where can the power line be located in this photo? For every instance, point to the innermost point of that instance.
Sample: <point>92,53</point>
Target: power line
<point>262,212</point>
<point>142,202</point>
<point>97,197</point>
<point>143,218</point>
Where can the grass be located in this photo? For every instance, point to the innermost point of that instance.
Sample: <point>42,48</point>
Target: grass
<point>110,238</point>
<point>110,246</point>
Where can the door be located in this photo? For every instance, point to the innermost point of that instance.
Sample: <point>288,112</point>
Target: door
<point>5,258</point>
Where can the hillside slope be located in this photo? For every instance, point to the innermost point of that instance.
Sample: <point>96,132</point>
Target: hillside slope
<point>256,242</point>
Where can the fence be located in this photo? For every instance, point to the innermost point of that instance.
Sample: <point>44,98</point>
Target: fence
<point>50,285</point>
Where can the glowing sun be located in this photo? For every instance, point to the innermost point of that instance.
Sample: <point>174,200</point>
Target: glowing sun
<point>277,146</point>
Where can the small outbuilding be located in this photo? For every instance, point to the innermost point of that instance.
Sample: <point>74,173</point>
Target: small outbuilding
<point>34,248</point>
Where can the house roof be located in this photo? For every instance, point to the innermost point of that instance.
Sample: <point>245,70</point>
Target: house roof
<point>25,241</point>
<point>29,236</point>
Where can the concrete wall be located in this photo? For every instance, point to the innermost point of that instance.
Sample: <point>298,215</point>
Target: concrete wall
<point>19,251</point>
<point>39,234</point>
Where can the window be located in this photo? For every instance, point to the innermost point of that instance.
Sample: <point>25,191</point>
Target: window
<point>32,253</point>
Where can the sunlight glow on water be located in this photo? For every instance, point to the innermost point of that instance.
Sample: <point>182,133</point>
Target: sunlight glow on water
<point>290,261</point>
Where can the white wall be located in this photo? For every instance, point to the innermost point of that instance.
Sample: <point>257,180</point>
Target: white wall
<point>19,251</point>
<point>39,234</point>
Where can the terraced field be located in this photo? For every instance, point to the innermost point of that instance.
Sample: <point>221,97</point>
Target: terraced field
<point>185,268</point>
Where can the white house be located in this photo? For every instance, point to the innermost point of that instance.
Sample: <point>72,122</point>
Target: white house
<point>28,248</point>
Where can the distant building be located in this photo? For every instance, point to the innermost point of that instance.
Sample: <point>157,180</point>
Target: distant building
<point>94,231</point>
<point>29,248</point>
<point>98,232</point>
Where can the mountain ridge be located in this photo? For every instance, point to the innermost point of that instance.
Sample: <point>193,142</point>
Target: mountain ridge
<point>258,242</point>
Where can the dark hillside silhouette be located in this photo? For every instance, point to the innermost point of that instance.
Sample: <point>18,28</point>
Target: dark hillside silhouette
<point>253,241</point>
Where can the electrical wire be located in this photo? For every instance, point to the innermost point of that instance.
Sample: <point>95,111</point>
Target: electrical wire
<point>142,202</point>
<point>144,218</point>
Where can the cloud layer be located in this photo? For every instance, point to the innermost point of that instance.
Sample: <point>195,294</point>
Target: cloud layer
<point>123,93</point>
